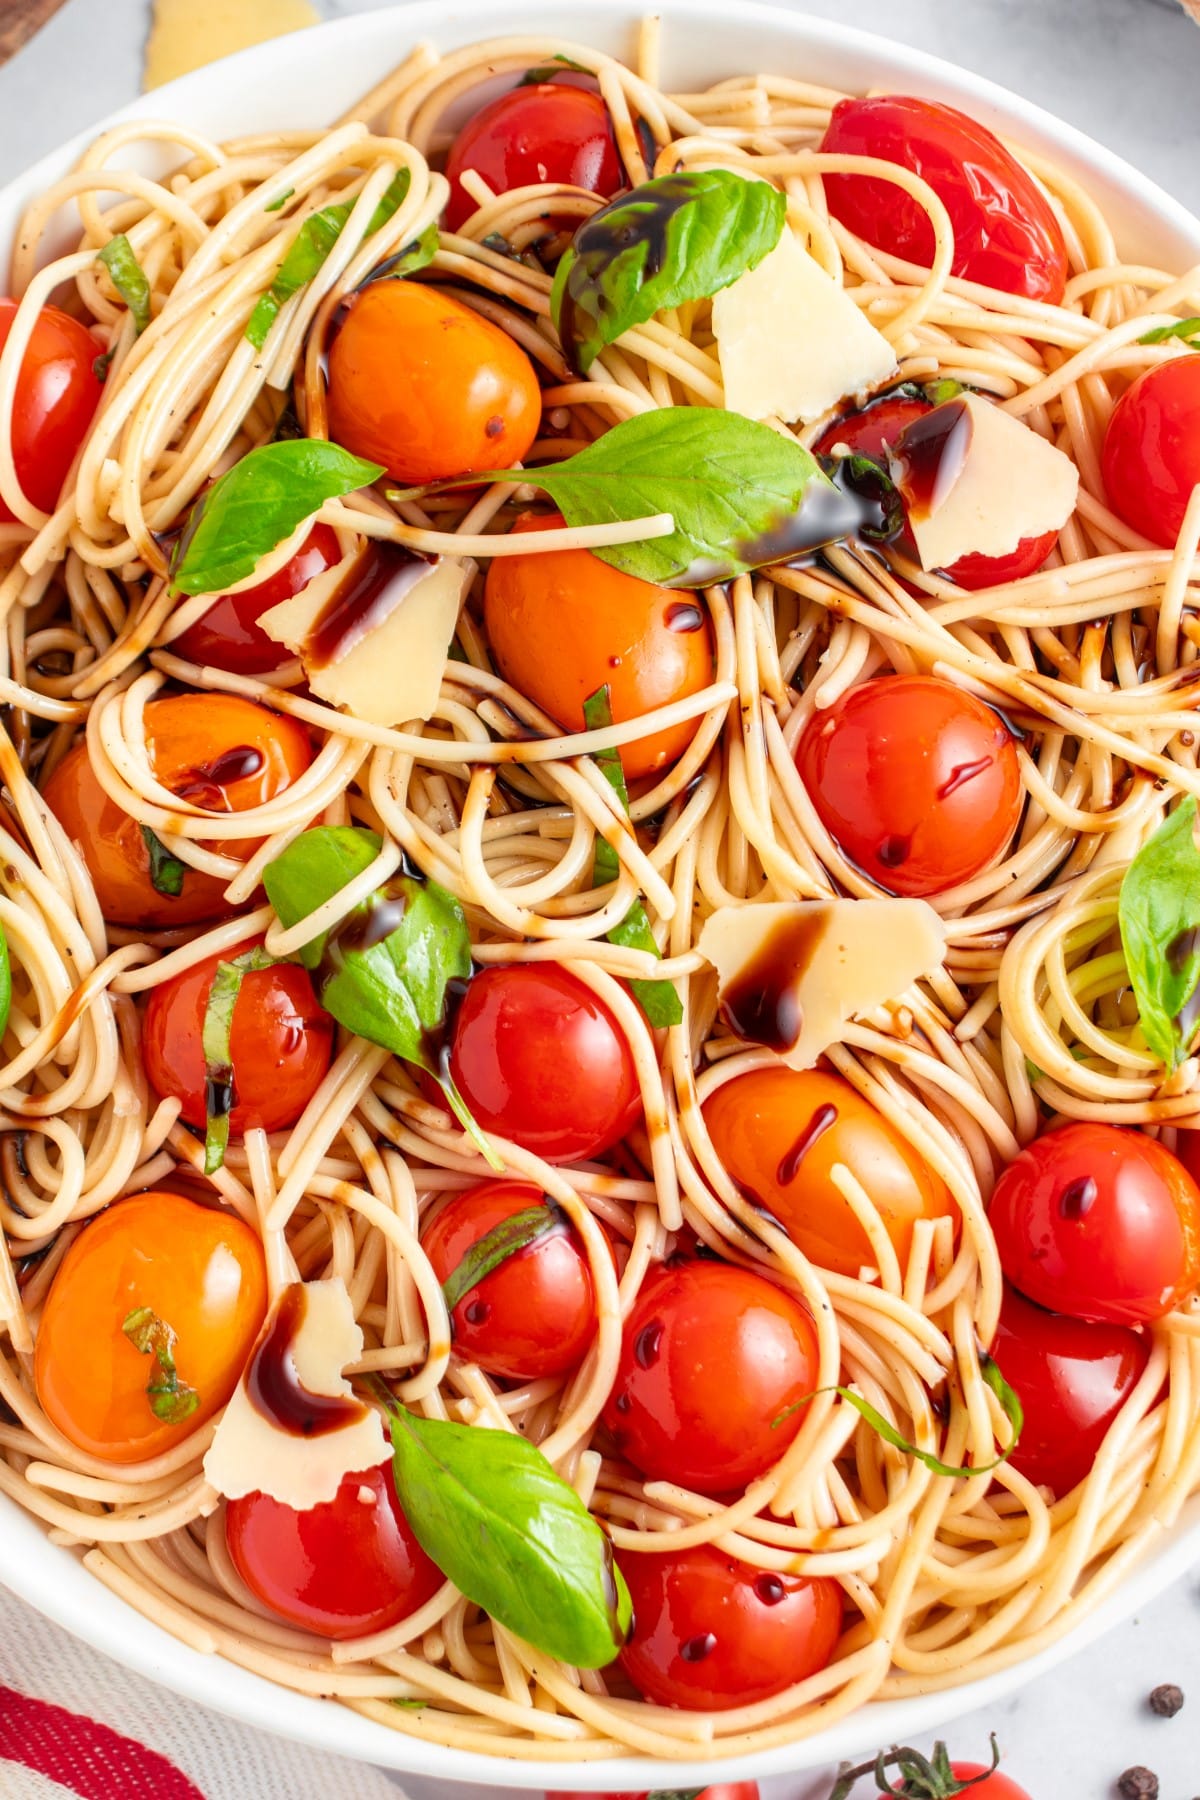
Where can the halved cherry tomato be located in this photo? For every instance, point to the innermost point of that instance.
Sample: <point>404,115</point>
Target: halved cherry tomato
<point>229,635</point>
<point>916,781</point>
<point>535,1314</point>
<point>563,624</point>
<point>341,1569</point>
<point>710,1633</point>
<point>1006,235</point>
<point>216,750</point>
<point>548,132</point>
<point>423,385</point>
<point>1100,1223</point>
<point>1072,1379</point>
<point>539,1059</point>
<point>712,1359</point>
<point>280,1042</point>
<point>780,1132</point>
<point>58,391</point>
<point>1151,456</point>
<point>201,1274</point>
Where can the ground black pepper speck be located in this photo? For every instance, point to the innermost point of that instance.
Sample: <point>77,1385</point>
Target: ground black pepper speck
<point>1138,1784</point>
<point>1166,1700</point>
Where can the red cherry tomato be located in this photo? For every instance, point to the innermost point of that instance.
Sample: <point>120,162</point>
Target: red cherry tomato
<point>539,1059</point>
<point>1151,456</point>
<point>535,1314</point>
<point>916,781</point>
<point>712,1359</point>
<point>1072,1380</point>
<point>229,635</point>
<point>1005,233</point>
<point>58,390</point>
<point>280,1042</point>
<point>996,1787</point>
<point>340,1570</point>
<point>710,1633</point>
<point>545,133</point>
<point>1099,1223</point>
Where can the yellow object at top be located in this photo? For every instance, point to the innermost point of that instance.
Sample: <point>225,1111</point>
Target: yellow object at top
<point>187,34</point>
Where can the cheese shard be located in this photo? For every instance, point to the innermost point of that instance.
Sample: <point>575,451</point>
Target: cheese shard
<point>791,975</point>
<point>187,34</point>
<point>975,481</point>
<point>792,343</point>
<point>304,1430</point>
<point>374,631</point>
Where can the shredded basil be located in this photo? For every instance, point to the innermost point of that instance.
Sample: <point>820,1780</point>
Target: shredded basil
<point>166,871</point>
<point>128,277</point>
<point>278,205</point>
<point>515,1233</point>
<point>171,1399</point>
<point>220,1096</point>
<point>1186,329</point>
<point>1159,915</point>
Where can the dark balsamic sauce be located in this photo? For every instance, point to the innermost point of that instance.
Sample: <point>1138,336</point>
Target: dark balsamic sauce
<point>695,1649</point>
<point>205,785</point>
<point>682,615</point>
<point>617,227</point>
<point>769,1589</point>
<point>820,1122</point>
<point>928,456</point>
<point>761,1006</point>
<point>961,773</point>
<point>275,1389</point>
<point>220,1097</point>
<point>1078,1198</point>
<point>647,1344</point>
<point>368,594</point>
<point>893,851</point>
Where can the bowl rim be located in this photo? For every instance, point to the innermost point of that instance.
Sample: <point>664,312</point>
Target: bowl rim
<point>51,1578</point>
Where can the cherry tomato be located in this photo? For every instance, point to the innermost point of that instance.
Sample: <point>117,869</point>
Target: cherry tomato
<point>539,1059</point>
<point>996,1786</point>
<point>1006,235</point>
<point>216,750</point>
<point>280,1043</point>
<point>229,635</point>
<point>199,1271</point>
<point>1099,1223</point>
<point>1151,456</point>
<point>535,1314</point>
<point>710,1633</point>
<point>1072,1380</point>
<point>423,385</point>
<point>544,133</point>
<point>342,1569</point>
<point>870,433</point>
<point>780,1132</point>
<point>58,391</point>
<point>712,1358</point>
<point>563,624</point>
<point>916,781</point>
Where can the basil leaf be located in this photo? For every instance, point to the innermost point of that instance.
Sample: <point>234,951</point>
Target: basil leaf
<point>417,255</point>
<point>128,277</point>
<point>5,983</point>
<point>1187,329</point>
<point>512,1536</point>
<point>308,250</point>
<point>166,871</point>
<point>676,238</point>
<point>102,364</point>
<point>515,1233</point>
<point>314,867</point>
<point>534,77</point>
<point>220,1096</point>
<point>171,1399</point>
<point>278,205</point>
<point>256,505</point>
<point>1159,916</point>
<point>938,392</point>
<point>1014,1412</point>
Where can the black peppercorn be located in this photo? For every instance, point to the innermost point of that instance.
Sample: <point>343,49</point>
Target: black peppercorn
<point>1138,1784</point>
<point>1166,1700</point>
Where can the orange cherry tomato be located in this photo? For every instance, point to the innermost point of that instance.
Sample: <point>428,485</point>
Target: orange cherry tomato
<point>779,1133</point>
<point>201,1275</point>
<point>216,750</point>
<point>423,385</point>
<point>563,624</point>
<point>58,390</point>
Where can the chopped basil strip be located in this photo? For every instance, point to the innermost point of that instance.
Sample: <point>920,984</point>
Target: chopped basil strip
<point>166,871</point>
<point>220,1096</point>
<point>171,1399</point>
<point>543,72</point>
<point>938,392</point>
<point>496,1246</point>
<point>102,364</point>
<point>278,205</point>
<point>128,277</point>
<point>1159,915</point>
<point>5,982</point>
<point>988,1369</point>
<point>417,255</point>
<point>1186,329</point>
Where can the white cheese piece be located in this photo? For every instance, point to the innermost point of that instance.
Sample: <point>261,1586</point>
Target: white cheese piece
<point>792,342</point>
<point>997,482</point>
<point>792,974</point>
<point>251,1452</point>
<point>390,671</point>
<point>187,34</point>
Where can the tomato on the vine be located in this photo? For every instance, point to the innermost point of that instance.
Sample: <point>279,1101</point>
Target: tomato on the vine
<point>1151,456</point>
<point>941,1779</point>
<point>546,132</point>
<point>229,636</point>
<point>58,391</point>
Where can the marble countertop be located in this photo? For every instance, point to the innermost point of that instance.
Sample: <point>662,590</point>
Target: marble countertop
<point>1127,71</point>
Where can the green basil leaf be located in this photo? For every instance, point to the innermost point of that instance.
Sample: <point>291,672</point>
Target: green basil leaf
<point>128,277</point>
<point>220,1096</point>
<point>988,1368</point>
<point>938,392</point>
<point>515,1233</point>
<point>308,250</point>
<point>171,1399</point>
<point>512,1536</point>
<point>256,505</point>
<point>534,77</point>
<point>278,205</point>
<point>314,867</point>
<point>1159,916</point>
<point>676,238</point>
<point>417,255</point>
<point>1187,329</point>
<point>5,983</point>
<point>166,871</point>
<point>102,364</point>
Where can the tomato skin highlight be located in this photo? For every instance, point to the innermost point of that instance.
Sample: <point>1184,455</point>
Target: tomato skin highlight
<point>1099,1222</point>
<point>712,1358</point>
<point>229,635</point>
<point>281,1042</point>
<point>539,1059</point>
<point>1006,235</point>
<point>996,1787</point>
<point>1151,456</point>
<point>535,1314</point>
<point>548,132</point>
<point>710,1633</point>
<point>758,1120</point>
<point>340,1569</point>
<point>430,389</point>
<point>200,1270</point>
<point>916,781</point>
<point>58,392</point>
<point>1072,1379</point>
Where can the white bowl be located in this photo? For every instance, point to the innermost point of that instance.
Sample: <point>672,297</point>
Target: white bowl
<point>307,79</point>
